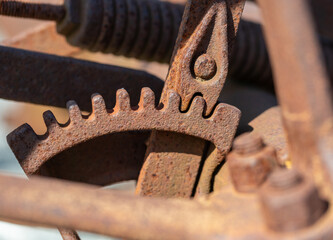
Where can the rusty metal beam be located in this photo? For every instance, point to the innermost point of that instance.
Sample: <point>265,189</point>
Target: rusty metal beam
<point>208,29</point>
<point>50,202</point>
<point>301,81</point>
<point>107,212</point>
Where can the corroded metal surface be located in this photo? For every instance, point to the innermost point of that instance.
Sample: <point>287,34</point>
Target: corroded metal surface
<point>172,166</point>
<point>201,32</point>
<point>284,205</point>
<point>33,151</point>
<point>250,162</point>
<point>207,27</point>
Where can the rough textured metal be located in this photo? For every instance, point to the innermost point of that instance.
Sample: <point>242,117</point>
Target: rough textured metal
<point>290,202</point>
<point>205,19</point>
<point>205,67</point>
<point>167,171</point>
<point>172,154</point>
<point>51,80</point>
<point>35,151</point>
<point>250,162</point>
<point>207,27</point>
<point>302,85</point>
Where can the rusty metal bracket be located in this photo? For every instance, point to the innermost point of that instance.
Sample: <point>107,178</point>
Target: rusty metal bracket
<point>206,32</point>
<point>201,56</point>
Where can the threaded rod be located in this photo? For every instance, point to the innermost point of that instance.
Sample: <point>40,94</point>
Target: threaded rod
<point>28,9</point>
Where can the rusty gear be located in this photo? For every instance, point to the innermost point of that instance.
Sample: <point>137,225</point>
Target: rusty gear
<point>34,152</point>
<point>267,209</point>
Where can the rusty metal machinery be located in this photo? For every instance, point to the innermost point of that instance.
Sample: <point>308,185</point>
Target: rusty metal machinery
<point>147,30</point>
<point>174,137</point>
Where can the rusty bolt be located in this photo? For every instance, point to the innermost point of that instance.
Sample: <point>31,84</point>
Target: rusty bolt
<point>248,143</point>
<point>250,162</point>
<point>290,201</point>
<point>205,67</point>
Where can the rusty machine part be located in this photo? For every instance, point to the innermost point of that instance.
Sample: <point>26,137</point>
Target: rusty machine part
<point>250,162</point>
<point>308,119</point>
<point>185,189</point>
<point>256,191</point>
<point>171,174</point>
<point>35,153</point>
<point>125,216</point>
<point>204,43</point>
<point>204,27</point>
<point>147,30</point>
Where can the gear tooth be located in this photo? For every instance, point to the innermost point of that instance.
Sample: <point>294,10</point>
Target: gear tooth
<point>197,106</point>
<point>185,103</point>
<point>74,111</point>
<point>123,101</point>
<point>50,120</point>
<point>22,141</point>
<point>222,109</point>
<point>217,114</point>
<point>147,100</point>
<point>173,101</point>
<point>98,104</point>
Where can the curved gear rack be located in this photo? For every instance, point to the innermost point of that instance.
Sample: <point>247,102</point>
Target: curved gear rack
<point>34,151</point>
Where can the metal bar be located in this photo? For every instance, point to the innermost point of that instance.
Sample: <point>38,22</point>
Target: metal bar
<point>301,82</point>
<point>29,9</point>
<point>51,80</point>
<point>207,27</point>
<point>57,203</point>
<point>201,56</point>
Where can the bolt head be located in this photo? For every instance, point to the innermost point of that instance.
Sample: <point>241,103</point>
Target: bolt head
<point>205,67</point>
<point>249,171</point>
<point>248,143</point>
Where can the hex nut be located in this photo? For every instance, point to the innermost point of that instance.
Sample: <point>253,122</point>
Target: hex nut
<point>250,162</point>
<point>290,201</point>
